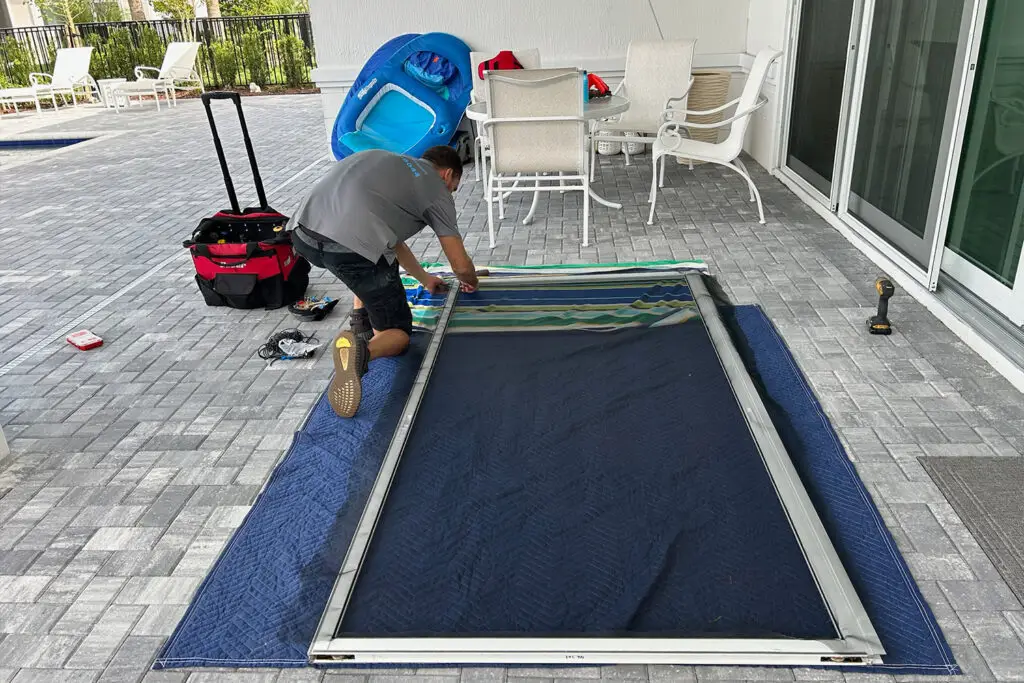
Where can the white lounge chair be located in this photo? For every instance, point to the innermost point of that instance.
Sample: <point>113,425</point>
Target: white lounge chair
<point>672,141</point>
<point>10,97</point>
<point>70,77</point>
<point>657,84</point>
<point>530,59</point>
<point>535,126</point>
<point>178,72</point>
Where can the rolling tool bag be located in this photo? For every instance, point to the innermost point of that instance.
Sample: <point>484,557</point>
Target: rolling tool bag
<point>244,258</point>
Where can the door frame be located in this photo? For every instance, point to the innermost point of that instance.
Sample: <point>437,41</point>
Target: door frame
<point>853,95</point>
<point>1009,301</point>
<point>794,13</point>
<point>904,242</point>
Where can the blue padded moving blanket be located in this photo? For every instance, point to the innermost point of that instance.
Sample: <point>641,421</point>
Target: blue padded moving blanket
<point>260,603</point>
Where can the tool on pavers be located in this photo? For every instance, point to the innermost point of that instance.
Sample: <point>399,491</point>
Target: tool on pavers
<point>879,323</point>
<point>84,340</point>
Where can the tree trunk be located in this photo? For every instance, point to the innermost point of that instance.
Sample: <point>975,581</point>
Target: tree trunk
<point>137,11</point>
<point>72,31</point>
<point>213,8</point>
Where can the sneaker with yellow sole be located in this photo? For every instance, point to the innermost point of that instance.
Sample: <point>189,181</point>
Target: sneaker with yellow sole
<point>351,358</point>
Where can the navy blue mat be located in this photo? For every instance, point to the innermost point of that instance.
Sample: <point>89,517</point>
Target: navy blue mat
<point>260,604</point>
<point>571,498</point>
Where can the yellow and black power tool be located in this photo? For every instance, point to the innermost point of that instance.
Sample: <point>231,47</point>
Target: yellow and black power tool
<point>879,323</point>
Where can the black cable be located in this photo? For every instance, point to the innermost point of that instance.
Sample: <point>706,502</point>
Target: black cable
<point>271,349</point>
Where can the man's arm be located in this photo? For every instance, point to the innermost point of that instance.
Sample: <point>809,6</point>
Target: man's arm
<point>412,266</point>
<point>459,260</point>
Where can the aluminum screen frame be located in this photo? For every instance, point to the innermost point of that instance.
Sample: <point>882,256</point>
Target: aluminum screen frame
<point>858,644</point>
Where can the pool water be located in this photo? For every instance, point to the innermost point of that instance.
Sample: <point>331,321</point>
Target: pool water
<point>22,150</point>
<point>39,145</point>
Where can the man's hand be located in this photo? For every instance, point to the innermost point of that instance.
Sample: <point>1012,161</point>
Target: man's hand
<point>460,262</point>
<point>467,285</point>
<point>434,284</point>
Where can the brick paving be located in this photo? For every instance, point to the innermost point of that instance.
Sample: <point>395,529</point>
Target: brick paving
<point>132,465</point>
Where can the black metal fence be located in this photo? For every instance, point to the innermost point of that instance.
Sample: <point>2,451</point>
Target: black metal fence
<point>27,50</point>
<point>235,51</point>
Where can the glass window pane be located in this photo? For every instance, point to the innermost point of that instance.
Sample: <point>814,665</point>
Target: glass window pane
<point>911,58</point>
<point>818,88</point>
<point>987,226</point>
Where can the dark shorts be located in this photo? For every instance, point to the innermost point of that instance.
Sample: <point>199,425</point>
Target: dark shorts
<point>378,285</point>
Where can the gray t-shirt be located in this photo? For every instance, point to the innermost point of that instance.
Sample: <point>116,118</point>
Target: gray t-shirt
<point>372,200</point>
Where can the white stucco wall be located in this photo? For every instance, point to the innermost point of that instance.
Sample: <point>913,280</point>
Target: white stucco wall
<point>23,13</point>
<point>592,34</point>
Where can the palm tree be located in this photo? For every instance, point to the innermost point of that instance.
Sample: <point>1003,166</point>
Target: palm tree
<point>137,11</point>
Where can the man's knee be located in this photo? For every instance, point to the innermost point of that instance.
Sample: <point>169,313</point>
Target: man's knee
<point>394,333</point>
<point>390,342</point>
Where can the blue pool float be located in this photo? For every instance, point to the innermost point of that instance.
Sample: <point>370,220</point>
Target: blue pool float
<point>409,96</point>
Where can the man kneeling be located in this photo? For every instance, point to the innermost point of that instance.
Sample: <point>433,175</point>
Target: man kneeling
<point>354,223</point>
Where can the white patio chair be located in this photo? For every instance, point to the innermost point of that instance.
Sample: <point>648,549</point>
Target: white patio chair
<point>657,83</point>
<point>671,141</point>
<point>530,59</point>
<point>536,125</point>
<point>70,76</point>
<point>178,72</point>
<point>10,97</point>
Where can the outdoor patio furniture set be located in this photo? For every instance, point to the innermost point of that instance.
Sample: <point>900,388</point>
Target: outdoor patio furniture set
<point>536,125</point>
<point>71,80</point>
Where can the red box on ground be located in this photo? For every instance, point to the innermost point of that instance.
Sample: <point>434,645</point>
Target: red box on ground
<point>84,340</point>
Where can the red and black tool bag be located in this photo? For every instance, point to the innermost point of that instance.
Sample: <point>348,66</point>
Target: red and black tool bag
<point>244,259</point>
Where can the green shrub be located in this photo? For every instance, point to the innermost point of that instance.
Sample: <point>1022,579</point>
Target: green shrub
<point>294,60</point>
<point>225,62</point>
<point>98,66</point>
<point>254,57</point>
<point>119,55</point>
<point>151,48</point>
<point>18,61</point>
<point>51,59</point>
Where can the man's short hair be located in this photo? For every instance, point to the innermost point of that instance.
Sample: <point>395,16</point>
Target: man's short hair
<point>443,156</point>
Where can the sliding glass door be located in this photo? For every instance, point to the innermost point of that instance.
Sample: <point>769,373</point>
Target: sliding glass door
<point>986,229</point>
<point>904,128</point>
<point>907,118</point>
<point>819,78</point>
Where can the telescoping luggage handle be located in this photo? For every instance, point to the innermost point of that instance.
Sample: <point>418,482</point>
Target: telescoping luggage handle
<point>260,193</point>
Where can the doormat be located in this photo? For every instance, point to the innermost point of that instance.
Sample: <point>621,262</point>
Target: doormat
<point>986,494</point>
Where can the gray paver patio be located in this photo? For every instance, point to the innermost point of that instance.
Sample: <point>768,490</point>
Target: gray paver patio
<point>131,465</point>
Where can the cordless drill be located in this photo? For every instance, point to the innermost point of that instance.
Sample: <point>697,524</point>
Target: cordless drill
<point>879,323</point>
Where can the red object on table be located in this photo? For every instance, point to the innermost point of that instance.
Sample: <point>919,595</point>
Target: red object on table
<point>84,340</point>
<point>597,86</point>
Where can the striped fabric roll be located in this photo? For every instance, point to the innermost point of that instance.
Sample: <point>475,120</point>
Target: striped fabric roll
<point>665,299</point>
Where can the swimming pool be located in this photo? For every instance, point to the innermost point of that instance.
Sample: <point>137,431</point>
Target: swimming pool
<point>39,144</point>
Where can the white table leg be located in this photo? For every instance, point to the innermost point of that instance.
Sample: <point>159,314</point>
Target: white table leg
<point>601,200</point>
<point>533,205</point>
